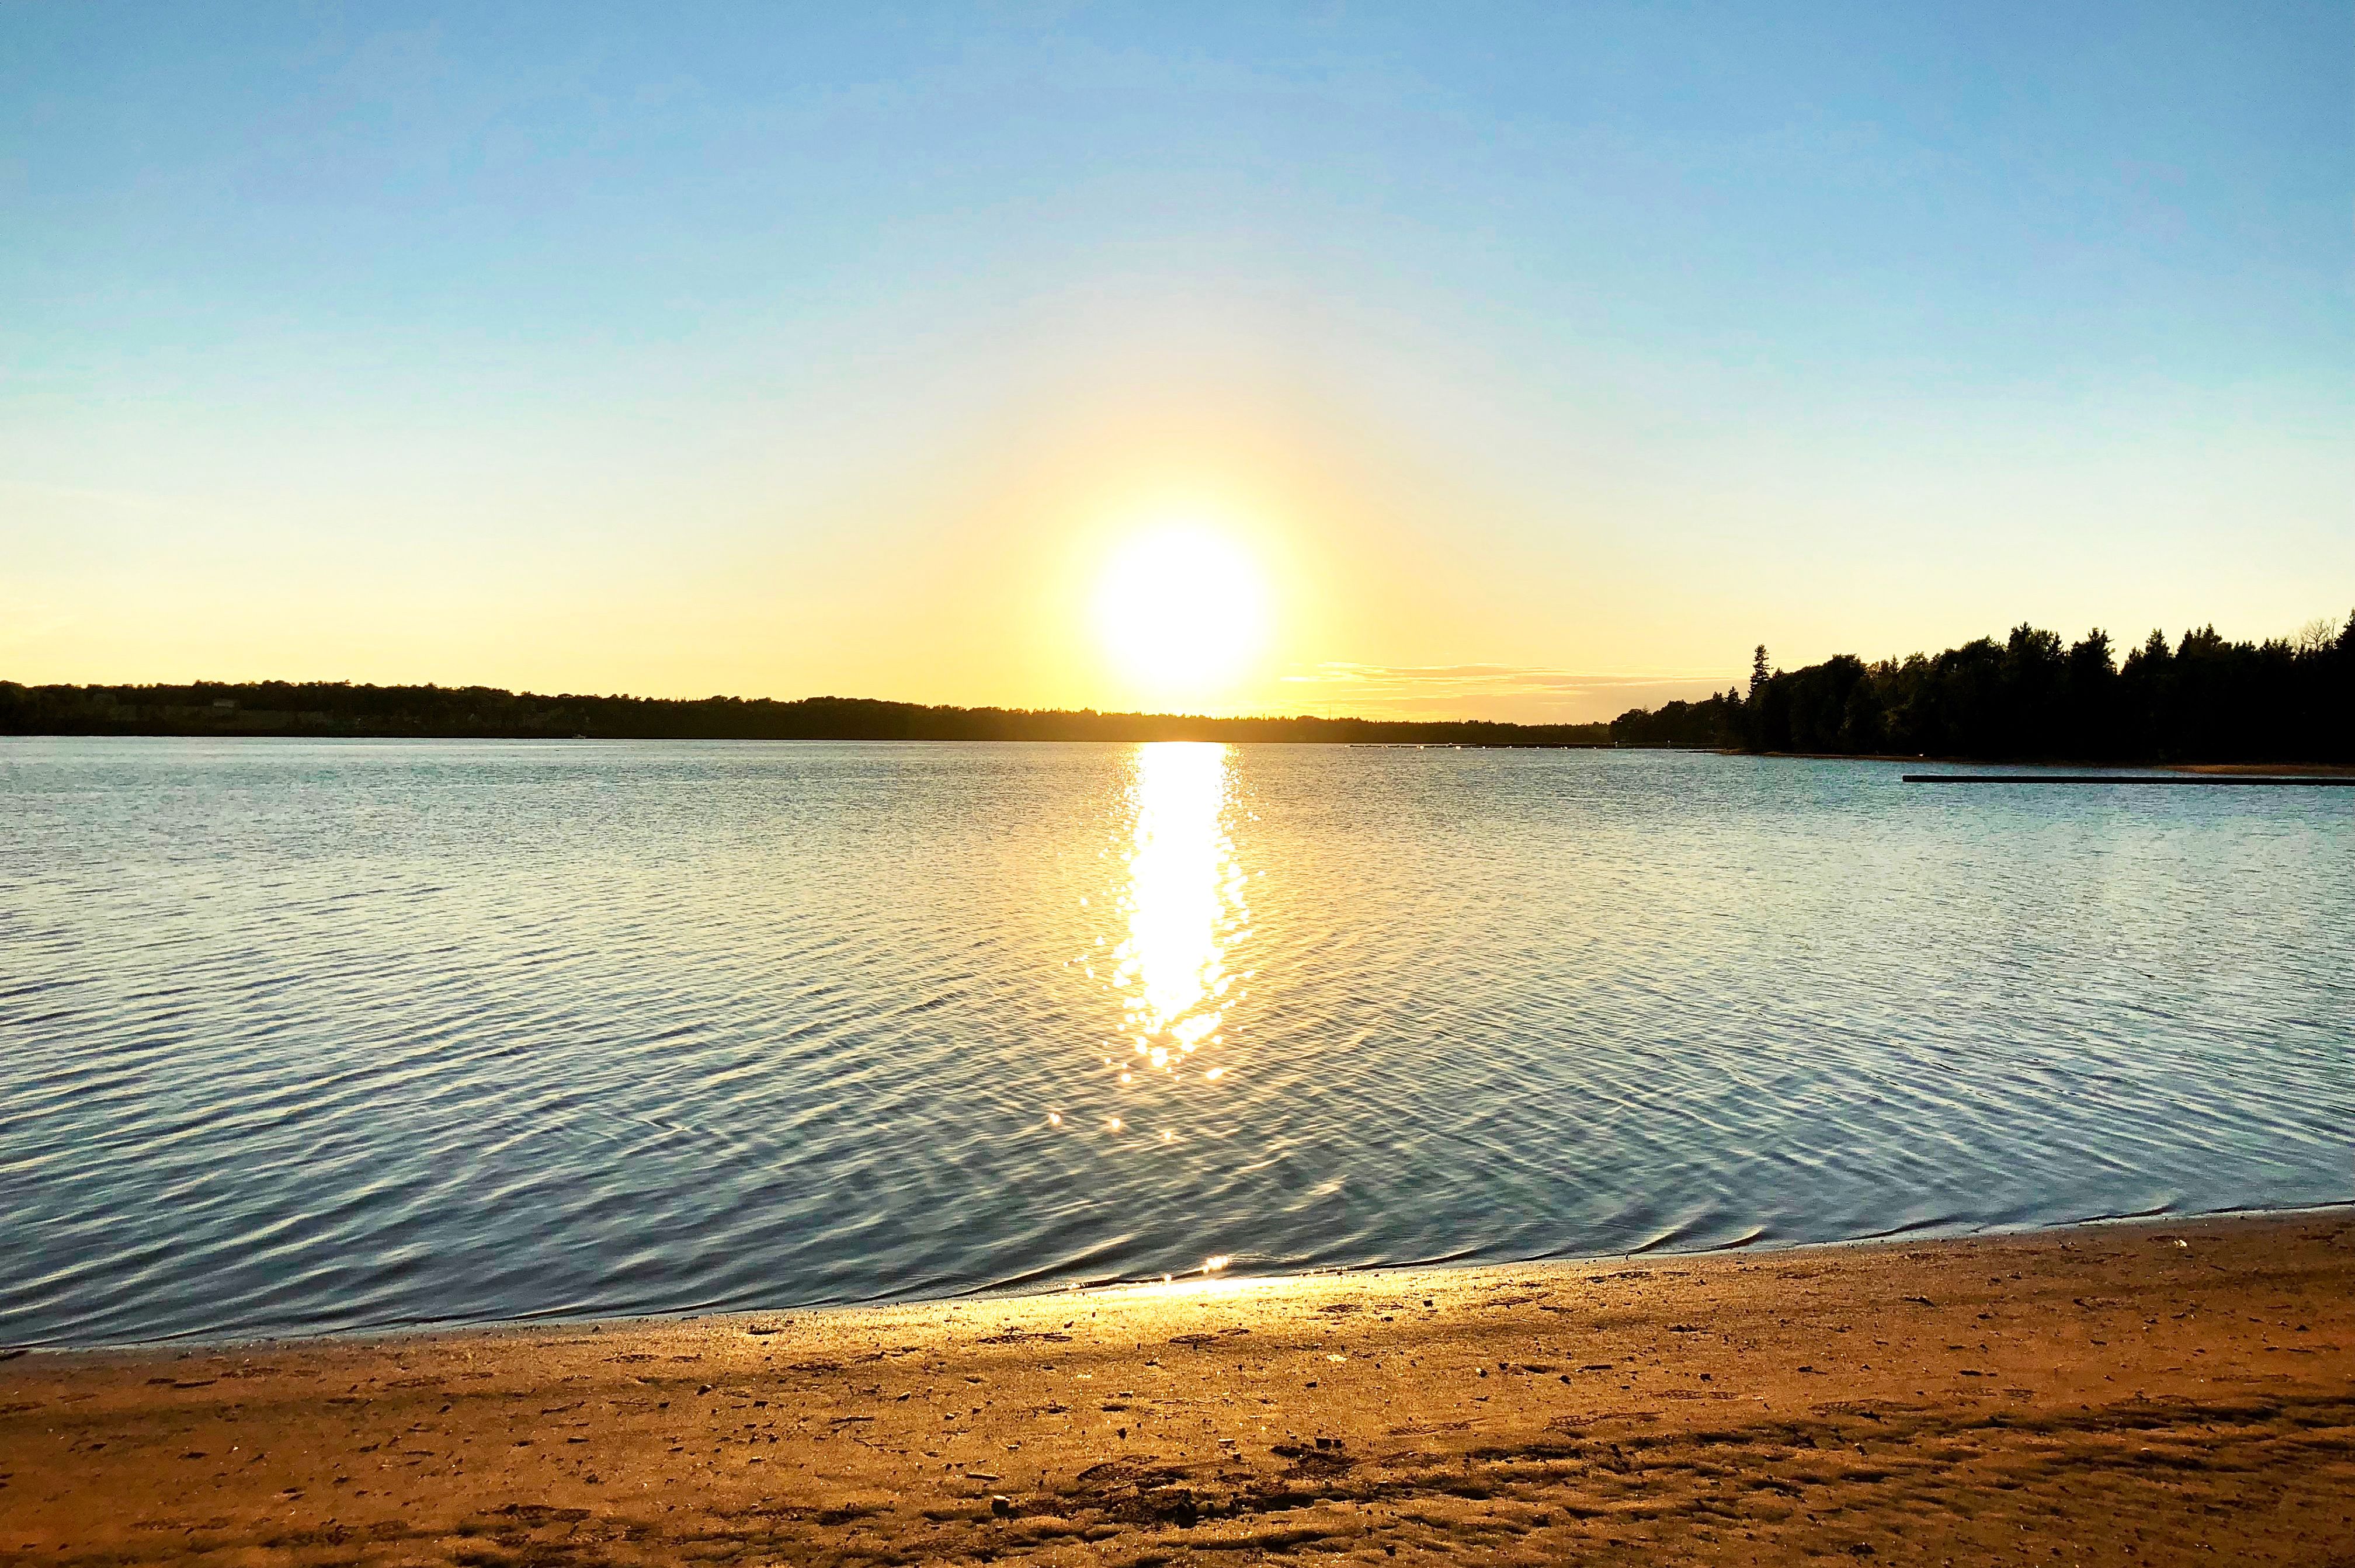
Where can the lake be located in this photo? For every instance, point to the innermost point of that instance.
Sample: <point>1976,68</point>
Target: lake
<point>304,1037</point>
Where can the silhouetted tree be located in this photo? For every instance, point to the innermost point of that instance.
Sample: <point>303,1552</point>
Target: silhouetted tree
<point>2203,699</point>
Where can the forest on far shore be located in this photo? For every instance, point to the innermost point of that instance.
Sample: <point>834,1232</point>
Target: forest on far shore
<point>339,708</point>
<point>2203,699</point>
<point>2029,697</point>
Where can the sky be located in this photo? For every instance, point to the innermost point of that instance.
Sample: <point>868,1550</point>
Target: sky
<point>1535,361</point>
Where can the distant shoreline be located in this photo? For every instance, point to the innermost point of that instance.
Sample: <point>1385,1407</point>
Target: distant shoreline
<point>2284,769</point>
<point>338,711</point>
<point>2106,765</point>
<point>2129,777</point>
<point>342,710</point>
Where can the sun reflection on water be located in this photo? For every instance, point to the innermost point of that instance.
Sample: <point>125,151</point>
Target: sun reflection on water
<point>1184,905</point>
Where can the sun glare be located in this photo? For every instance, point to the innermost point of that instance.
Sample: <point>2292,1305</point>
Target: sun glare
<point>1182,610</point>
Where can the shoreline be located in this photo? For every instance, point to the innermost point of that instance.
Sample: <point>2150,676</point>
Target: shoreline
<point>1898,1398</point>
<point>988,1295</point>
<point>2286,770</point>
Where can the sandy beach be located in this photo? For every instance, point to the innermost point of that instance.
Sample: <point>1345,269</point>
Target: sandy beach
<point>2130,1393</point>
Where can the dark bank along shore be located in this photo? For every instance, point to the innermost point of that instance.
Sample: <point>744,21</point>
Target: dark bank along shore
<point>2132,1393</point>
<point>2222,781</point>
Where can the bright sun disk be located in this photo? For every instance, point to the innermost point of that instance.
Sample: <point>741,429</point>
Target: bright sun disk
<point>1182,610</point>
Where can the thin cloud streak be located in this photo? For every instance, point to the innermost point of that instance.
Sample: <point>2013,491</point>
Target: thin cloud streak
<point>1527,693</point>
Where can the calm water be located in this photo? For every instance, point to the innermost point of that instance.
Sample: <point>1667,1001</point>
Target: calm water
<point>300,1037</point>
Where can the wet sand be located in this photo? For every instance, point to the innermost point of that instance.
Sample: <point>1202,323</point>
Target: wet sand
<point>2134,1394</point>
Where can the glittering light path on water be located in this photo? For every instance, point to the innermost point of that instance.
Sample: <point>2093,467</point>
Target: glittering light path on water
<point>301,1037</point>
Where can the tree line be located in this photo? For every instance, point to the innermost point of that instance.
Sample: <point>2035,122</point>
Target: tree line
<point>329,708</point>
<point>2203,698</point>
<point>2031,697</point>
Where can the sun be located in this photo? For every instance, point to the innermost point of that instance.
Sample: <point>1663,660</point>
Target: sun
<point>1182,610</point>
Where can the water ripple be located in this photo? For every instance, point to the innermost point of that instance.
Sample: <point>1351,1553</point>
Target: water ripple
<point>304,1037</point>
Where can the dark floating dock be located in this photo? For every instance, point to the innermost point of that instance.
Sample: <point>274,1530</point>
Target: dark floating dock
<point>2258,781</point>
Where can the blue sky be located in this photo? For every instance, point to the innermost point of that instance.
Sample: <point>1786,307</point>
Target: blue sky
<point>772,349</point>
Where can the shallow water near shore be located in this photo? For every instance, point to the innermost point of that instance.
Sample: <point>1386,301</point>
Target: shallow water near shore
<point>306,1037</point>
